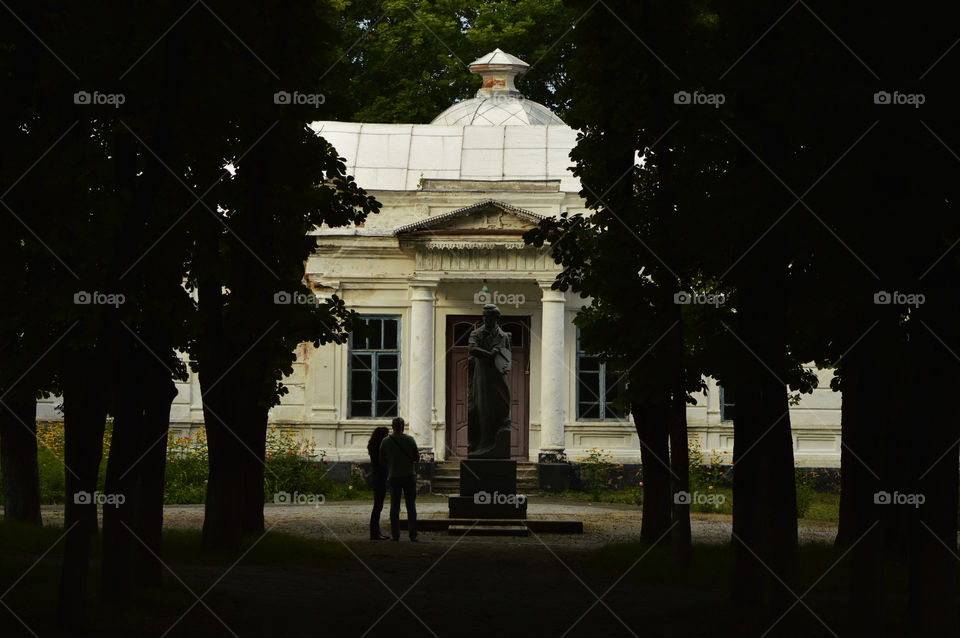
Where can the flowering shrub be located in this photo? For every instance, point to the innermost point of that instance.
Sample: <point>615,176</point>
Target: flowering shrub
<point>293,465</point>
<point>704,475</point>
<point>596,468</point>
<point>185,479</point>
<point>804,481</point>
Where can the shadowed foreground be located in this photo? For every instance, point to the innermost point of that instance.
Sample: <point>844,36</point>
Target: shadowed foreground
<point>287,585</point>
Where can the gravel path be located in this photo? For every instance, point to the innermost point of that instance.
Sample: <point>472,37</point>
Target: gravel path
<point>347,521</point>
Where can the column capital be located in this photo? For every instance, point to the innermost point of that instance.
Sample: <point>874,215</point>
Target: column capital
<point>422,289</point>
<point>553,295</point>
<point>545,283</point>
<point>423,283</point>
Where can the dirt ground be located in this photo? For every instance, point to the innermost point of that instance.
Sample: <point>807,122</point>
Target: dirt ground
<point>541,585</point>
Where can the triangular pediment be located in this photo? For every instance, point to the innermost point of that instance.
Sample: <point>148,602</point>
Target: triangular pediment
<point>486,216</point>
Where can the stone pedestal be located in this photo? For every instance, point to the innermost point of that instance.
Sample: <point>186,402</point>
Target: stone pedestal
<point>488,489</point>
<point>488,475</point>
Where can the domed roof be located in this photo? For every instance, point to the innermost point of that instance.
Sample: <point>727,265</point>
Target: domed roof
<point>497,102</point>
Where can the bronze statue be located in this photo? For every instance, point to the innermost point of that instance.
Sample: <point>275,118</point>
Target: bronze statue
<point>488,393</point>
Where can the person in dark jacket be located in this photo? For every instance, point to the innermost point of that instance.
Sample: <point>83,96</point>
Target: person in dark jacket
<point>379,480</point>
<point>400,453</point>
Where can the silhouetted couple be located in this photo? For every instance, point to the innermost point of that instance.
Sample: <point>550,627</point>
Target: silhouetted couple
<point>394,458</point>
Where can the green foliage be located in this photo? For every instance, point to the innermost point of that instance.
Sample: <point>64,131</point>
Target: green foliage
<point>420,49</point>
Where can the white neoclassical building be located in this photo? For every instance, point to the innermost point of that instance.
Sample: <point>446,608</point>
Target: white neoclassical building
<point>457,194</point>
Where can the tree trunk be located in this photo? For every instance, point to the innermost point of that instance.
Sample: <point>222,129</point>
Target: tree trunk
<point>18,458</point>
<point>679,443</point>
<point>223,509</point>
<point>84,417</point>
<point>933,470</point>
<point>158,399</point>
<point>679,462</point>
<point>765,513</point>
<point>255,430</point>
<point>654,457</point>
<point>132,530</point>
<point>862,467</point>
<point>748,468</point>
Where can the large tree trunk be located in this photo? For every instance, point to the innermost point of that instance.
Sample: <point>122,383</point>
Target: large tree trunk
<point>748,468</point>
<point>157,402</point>
<point>765,519</point>
<point>18,458</point>
<point>652,431</point>
<point>865,428</point>
<point>680,478</point>
<point>237,448</point>
<point>223,509</point>
<point>679,444</point>
<point>85,414</point>
<point>933,472</point>
<point>255,430</point>
<point>132,530</point>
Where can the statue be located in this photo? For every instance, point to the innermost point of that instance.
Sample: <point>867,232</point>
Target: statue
<point>488,393</point>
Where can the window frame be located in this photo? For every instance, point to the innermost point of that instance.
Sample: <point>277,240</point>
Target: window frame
<point>723,405</point>
<point>602,385</point>
<point>374,368</point>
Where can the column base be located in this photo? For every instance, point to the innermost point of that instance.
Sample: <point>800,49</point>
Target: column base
<point>552,456</point>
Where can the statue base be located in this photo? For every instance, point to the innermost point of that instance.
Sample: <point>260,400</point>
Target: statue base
<point>488,489</point>
<point>500,450</point>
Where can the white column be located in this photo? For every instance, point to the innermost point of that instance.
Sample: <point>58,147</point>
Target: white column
<point>552,374</point>
<point>420,366</point>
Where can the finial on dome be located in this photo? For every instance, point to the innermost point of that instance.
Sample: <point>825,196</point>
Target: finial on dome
<point>498,69</point>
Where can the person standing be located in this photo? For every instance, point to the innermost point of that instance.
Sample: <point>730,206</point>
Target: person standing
<point>378,479</point>
<point>399,453</point>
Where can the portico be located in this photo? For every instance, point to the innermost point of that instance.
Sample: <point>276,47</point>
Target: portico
<point>463,259</point>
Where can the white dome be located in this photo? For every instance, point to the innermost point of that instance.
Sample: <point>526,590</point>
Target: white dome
<point>497,111</point>
<point>497,103</point>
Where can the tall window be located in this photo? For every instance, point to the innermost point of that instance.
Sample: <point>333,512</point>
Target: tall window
<point>726,404</point>
<point>597,387</point>
<point>375,369</point>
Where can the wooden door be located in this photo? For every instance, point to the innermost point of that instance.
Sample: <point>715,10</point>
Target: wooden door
<point>459,328</point>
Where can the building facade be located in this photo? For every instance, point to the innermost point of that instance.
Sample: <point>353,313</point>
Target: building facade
<point>457,194</point>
